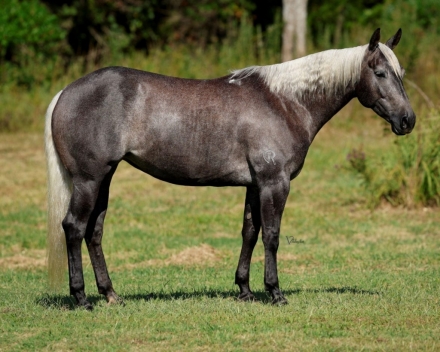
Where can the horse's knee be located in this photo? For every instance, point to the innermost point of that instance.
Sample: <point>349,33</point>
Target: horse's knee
<point>249,235</point>
<point>271,239</point>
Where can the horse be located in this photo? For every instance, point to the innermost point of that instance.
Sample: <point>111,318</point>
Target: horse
<point>251,128</point>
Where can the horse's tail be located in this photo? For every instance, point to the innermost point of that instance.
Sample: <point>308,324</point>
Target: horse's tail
<point>58,197</point>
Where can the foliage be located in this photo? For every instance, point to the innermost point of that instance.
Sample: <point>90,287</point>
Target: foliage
<point>425,13</point>
<point>381,175</point>
<point>333,22</point>
<point>27,23</point>
<point>330,21</point>
<point>121,26</point>
<point>92,30</point>
<point>29,33</point>
<point>420,158</point>
<point>201,22</point>
<point>108,26</point>
<point>409,173</point>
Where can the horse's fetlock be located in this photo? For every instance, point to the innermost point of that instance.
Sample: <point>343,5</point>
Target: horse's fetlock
<point>77,291</point>
<point>241,278</point>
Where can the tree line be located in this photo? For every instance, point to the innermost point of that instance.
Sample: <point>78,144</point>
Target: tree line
<point>35,30</point>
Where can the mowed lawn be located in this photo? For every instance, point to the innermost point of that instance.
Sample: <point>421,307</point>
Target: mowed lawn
<point>356,278</point>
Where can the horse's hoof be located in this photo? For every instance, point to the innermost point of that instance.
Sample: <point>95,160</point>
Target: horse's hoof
<point>247,297</point>
<point>82,302</point>
<point>113,298</point>
<point>279,301</point>
<point>86,305</point>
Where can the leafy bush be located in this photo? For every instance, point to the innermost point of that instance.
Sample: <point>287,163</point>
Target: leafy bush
<point>29,33</point>
<point>27,23</point>
<point>407,175</point>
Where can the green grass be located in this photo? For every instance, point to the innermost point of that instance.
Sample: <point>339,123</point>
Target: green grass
<point>362,280</point>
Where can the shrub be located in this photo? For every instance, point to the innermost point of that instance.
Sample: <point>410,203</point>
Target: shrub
<point>29,33</point>
<point>409,173</point>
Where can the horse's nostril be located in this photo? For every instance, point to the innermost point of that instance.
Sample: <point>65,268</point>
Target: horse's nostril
<point>405,122</point>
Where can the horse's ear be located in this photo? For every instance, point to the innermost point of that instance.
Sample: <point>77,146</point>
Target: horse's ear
<point>394,40</point>
<point>374,41</point>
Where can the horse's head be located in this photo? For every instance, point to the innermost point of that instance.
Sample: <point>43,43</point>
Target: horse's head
<point>380,86</point>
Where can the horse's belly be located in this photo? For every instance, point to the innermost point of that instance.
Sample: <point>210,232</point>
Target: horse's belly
<point>192,169</point>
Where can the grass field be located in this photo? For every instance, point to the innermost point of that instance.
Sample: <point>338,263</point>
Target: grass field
<point>361,280</point>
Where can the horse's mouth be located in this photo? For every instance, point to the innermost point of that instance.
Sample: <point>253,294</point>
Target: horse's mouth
<point>399,128</point>
<point>397,131</point>
<point>402,127</point>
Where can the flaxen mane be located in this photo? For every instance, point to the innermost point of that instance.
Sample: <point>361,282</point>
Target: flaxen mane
<point>331,71</point>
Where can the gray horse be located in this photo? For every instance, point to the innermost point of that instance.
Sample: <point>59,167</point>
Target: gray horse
<point>252,128</point>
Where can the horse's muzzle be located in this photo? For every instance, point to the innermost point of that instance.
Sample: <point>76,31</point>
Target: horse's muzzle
<point>403,125</point>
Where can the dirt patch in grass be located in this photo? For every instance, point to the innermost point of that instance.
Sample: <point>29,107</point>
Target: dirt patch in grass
<point>28,260</point>
<point>194,256</point>
<point>203,255</point>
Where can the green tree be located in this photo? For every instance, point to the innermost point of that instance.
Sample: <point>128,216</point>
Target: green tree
<point>27,28</point>
<point>29,34</point>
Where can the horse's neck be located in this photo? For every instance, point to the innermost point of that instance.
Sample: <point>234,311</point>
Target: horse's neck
<point>314,109</point>
<point>322,83</point>
<point>320,108</point>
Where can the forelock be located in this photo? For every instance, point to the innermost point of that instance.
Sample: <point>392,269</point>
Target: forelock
<point>392,59</point>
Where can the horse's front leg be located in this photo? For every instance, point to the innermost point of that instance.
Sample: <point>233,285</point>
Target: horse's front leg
<point>273,196</point>
<point>251,227</point>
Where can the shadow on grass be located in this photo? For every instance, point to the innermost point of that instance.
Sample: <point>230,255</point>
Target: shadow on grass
<point>63,302</point>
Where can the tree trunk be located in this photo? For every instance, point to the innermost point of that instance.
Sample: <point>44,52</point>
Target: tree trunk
<point>295,28</point>
<point>288,30</point>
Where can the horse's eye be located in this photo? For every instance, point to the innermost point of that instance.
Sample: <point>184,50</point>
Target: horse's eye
<point>380,73</point>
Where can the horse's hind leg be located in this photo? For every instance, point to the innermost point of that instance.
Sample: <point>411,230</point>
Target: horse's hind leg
<point>93,240</point>
<point>82,203</point>
<point>251,227</point>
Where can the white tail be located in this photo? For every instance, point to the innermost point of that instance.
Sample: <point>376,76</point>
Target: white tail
<point>58,197</point>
